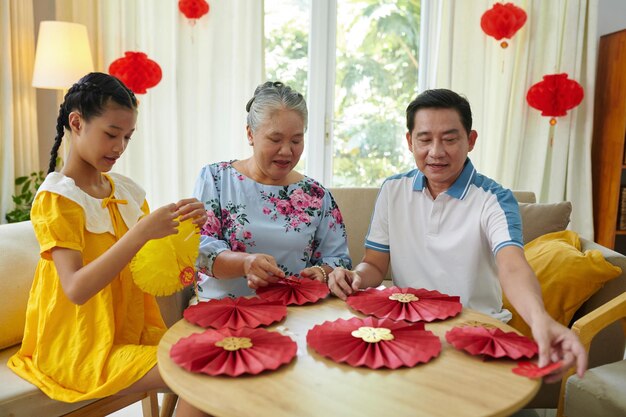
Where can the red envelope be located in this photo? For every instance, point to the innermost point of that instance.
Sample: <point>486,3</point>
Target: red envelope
<point>491,342</point>
<point>294,290</point>
<point>531,370</point>
<point>235,313</point>
<point>408,304</point>
<point>233,352</point>
<point>374,343</point>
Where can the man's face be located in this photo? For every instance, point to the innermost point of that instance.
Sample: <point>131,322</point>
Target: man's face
<point>440,145</point>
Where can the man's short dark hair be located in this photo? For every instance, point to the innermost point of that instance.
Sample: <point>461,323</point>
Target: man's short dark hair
<point>440,98</point>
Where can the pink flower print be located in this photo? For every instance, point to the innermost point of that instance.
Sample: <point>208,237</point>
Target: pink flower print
<point>337,215</point>
<point>212,225</point>
<point>247,234</point>
<point>299,199</point>
<point>315,202</point>
<point>304,218</point>
<point>294,222</point>
<point>284,207</point>
<point>317,191</point>
<point>266,210</point>
<point>237,246</point>
<point>240,177</point>
<point>224,164</point>
<point>317,255</point>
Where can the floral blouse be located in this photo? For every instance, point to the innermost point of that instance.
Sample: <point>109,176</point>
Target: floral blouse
<point>299,225</point>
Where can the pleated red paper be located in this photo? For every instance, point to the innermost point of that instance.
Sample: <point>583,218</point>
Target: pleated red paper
<point>491,342</point>
<point>425,305</point>
<point>199,352</point>
<point>293,290</point>
<point>411,343</point>
<point>235,313</point>
<point>531,370</point>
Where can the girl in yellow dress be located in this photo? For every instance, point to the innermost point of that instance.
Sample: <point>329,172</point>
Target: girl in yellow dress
<point>90,331</point>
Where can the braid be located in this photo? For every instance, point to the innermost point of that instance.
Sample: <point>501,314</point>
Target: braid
<point>61,121</point>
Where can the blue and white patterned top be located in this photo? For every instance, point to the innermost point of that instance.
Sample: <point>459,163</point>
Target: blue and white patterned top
<point>299,225</point>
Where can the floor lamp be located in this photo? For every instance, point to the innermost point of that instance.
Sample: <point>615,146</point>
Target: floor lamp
<point>62,57</point>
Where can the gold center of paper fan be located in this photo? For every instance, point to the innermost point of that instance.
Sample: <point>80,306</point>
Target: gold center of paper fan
<point>403,297</point>
<point>234,343</point>
<point>373,334</point>
<point>474,323</point>
<point>187,276</point>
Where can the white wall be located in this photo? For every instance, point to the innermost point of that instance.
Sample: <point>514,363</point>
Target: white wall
<point>611,16</point>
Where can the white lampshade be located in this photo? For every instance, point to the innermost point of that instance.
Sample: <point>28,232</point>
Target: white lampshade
<point>63,55</point>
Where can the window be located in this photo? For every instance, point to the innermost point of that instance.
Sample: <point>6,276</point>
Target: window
<point>356,62</point>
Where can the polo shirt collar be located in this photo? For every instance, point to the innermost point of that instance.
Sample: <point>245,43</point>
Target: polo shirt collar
<point>459,187</point>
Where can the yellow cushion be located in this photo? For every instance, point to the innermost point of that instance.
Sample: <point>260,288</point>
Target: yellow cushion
<point>568,277</point>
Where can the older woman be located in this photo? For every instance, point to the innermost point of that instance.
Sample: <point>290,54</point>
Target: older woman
<point>266,220</point>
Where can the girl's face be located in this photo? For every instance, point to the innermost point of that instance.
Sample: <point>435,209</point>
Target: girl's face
<point>278,144</point>
<point>100,141</point>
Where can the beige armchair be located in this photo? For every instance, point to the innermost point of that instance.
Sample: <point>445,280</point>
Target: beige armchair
<point>602,392</point>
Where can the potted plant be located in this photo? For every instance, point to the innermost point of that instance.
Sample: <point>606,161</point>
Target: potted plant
<point>27,188</point>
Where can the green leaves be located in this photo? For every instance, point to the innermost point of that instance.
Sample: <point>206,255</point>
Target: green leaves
<point>27,188</point>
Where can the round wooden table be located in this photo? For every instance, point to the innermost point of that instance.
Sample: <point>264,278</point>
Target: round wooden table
<point>453,384</point>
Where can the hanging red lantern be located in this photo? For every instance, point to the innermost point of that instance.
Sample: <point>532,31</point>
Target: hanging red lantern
<point>137,71</point>
<point>555,95</point>
<point>193,9</point>
<point>503,21</point>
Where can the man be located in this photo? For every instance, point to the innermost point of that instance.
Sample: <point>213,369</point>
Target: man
<point>444,226</point>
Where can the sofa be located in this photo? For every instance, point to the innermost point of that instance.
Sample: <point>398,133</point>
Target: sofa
<point>19,254</point>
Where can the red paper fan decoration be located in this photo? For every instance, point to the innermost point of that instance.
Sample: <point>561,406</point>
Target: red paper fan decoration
<point>531,370</point>
<point>137,71</point>
<point>491,342</point>
<point>235,313</point>
<point>193,9</point>
<point>503,21</point>
<point>233,352</point>
<point>293,290</point>
<point>555,95</point>
<point>405,304</point>
<point>374,343</point>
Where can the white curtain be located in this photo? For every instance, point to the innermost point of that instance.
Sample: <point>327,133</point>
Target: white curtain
<point>196,114</point>
<point>19,153</point>
<point>513,147</point>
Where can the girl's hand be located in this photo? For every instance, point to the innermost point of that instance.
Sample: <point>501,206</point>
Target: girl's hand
<point>160,223</point>
<point>261,270</point>
<point>191,208</point>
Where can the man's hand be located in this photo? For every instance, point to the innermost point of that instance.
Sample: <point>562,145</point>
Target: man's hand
<point>343,282</point>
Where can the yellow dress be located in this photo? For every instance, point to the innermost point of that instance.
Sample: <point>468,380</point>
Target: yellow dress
<point>79,352</point>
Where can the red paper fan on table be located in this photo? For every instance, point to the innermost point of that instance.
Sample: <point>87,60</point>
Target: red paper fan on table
<point>294,290</point>
<point>374,343</point>
<point>491,342</point>
<point>405,304</point>
<point>503,21</point>
<point>235,313</point>
<point>137,71</point>
<point>531,370</point>
<point>233,352</point>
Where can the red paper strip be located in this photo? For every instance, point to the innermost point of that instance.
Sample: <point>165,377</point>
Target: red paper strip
<point>491,342</point>
<point>233,352</point>
<point>405,304</point>
<point>399,343</point>
<point>531,370</point>
<point>235,313</point>
<point>293,290</point>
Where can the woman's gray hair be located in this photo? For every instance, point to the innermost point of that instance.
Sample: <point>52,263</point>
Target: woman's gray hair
<point>270,97</point>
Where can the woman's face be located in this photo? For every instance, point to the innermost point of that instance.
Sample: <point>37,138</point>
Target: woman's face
<point>278,144</point>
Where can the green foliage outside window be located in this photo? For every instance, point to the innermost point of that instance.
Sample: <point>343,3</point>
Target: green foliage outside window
<point>376,78</point>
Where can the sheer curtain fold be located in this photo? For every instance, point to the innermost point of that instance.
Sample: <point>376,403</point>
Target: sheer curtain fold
<point>19,152</point>
<point>196,114</point>
<point>514,145</point>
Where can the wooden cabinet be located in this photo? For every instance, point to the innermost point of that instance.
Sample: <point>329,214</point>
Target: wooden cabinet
<point>609,135</point>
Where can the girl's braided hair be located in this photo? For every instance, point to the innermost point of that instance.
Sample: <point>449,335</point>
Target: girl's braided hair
<point>89,96</point>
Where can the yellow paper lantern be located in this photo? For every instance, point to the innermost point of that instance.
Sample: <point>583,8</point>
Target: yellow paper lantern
<point>164,266</point>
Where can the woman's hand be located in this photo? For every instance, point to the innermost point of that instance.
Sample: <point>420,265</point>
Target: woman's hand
<point>261,270</point>
<point>343,282</point>
<point>191,208</point>
<point>317,272</point>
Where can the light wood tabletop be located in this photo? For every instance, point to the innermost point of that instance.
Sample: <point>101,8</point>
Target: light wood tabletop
<point>453,384</point>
